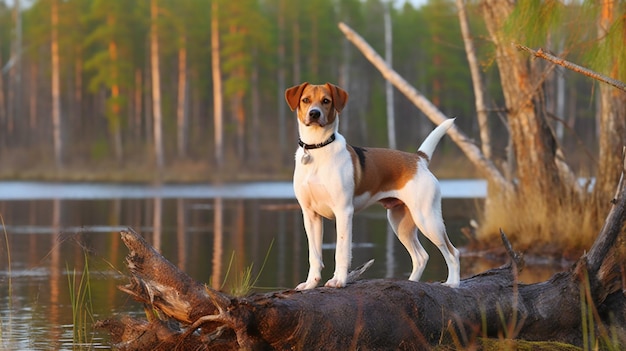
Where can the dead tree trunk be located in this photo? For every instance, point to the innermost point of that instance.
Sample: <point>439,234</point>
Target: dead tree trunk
<point>580,306</point>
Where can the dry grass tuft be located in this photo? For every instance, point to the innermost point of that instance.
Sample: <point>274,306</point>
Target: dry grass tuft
<point>564,226</point>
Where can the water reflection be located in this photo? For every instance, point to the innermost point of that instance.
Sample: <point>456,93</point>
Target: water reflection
<point>212,239</point>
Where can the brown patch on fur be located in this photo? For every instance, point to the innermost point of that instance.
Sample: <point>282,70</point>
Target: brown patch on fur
<point>292,95</point>
<point>423,155</point>
<point>379,169</point>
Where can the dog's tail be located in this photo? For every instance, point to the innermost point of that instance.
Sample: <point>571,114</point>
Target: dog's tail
<point>431,141</point>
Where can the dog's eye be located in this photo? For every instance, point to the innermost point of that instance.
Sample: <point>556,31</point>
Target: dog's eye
<point>326,101</point>
<point>306,100</point>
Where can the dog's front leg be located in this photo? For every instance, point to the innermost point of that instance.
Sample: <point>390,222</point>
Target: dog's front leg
<point>314,232</point>
<point>343,253</point>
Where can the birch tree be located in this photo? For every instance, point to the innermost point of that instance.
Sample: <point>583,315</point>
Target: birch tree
<point>391,118</point>
<point>477,84</point>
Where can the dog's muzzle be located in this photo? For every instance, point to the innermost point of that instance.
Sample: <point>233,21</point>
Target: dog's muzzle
<point>315,116</point>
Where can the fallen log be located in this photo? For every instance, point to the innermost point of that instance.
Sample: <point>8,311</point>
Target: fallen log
<point>584,306</point>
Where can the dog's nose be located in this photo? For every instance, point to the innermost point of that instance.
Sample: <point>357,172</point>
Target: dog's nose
<point>315,114</point>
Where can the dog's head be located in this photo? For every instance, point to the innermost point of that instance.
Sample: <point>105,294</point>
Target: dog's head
<point>316,104</point>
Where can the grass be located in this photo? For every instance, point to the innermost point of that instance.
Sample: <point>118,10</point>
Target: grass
<point>562,226</point>
<point>596,335</point>
<point>244,282</point>
<point>8,332</point>
<point>82,308</point>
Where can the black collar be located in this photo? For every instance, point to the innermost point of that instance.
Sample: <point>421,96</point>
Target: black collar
<point>316,146</point>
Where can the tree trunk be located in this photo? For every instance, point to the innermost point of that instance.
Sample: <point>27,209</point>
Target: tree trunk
<point>156,86</point>
<point>481,108</point>
<point>239,114</point>
<point>533,144</point>
<point>15,72</point>
<point>217,86</point>
<point>612,114</point>
<point>181,111</point>
<point>391,118</point>
<point>3,110</point>
<point>574,306</point>
<point>32,101</point>
<point>282,86</point>
<point>295,52</point>
<point>255,113</point>
<point>78,120</point>
<point>56,87</point>
<point>148,130</point>
<point>137,104</point>
<point>345,80</point>
<point>113,108</point>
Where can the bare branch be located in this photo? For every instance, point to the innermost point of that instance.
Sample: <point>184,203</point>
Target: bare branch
<point>473,153</point>
<point>573,67</point>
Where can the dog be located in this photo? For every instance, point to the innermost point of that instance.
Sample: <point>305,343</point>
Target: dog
<point>334,180</point>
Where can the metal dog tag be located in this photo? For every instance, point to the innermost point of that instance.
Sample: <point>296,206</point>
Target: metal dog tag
<point>306,158</point>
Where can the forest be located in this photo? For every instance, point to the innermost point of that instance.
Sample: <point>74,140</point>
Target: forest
<point>194,88</point>
<point>191,90</point>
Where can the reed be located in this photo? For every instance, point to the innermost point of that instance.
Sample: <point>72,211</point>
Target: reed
<point>6,332</point>
<point>82,308</point>
<point>244,282</point>
<point>596,335</point>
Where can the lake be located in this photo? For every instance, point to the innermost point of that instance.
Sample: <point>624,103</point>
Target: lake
<point>58,236</point>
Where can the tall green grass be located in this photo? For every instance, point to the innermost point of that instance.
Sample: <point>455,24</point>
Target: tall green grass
<point>244,282</point>
<point>82,308</point>
<point>596,335</point>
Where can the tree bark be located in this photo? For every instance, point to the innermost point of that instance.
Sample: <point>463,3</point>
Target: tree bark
<point>382,314</point>
<point>481,108</point>
<point>3,110</point>
<point>216,70</point>
<point>533,145</point>
<point>56,87</point>
<point>391,118</point>
<point>612,114</point>
<point>113,113</point>
<point>181,109</point>
<point>282,84</point>
<point>156,86</point>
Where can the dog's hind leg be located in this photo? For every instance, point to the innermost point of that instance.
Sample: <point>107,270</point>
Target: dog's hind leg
<point>430,223</point>
<point>406,231</point>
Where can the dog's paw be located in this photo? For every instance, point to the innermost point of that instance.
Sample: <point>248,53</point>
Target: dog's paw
<point>454,284</point>
<point>307,285</point>
<point>335,283</point>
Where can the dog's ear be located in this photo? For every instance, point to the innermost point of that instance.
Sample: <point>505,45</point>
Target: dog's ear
<point>293,94</point>
<point>340,96</point>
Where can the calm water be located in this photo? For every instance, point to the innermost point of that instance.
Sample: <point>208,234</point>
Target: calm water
<point>211,232</point>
